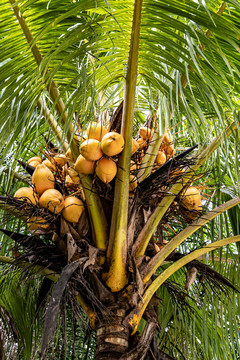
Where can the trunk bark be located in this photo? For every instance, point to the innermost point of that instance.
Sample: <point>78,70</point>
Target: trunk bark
<point>112,336</point>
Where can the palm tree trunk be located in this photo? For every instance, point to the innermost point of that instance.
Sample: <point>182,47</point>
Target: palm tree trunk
<point>112,335</point>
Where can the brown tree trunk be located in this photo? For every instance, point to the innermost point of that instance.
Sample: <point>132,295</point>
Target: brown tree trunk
<point>112,336</point>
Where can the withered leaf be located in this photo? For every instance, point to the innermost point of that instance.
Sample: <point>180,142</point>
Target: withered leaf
<point>52,311</point>
<point>93,252</point>
<point>71,246</point>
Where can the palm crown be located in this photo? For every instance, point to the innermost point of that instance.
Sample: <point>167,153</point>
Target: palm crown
<point>72,63</point>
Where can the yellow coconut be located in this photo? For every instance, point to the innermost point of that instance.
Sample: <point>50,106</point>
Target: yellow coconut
<point>27,194</point>
<point>135,146</point>
<point>84,166</point>
<point>166,141</point>
<point>73,208</point>
<point>106,169</point>
<point>142,143</point>
<point>91,149</point>
<point>161,158</point>
<point>96,130</point>
<point>112,143</point>
<point>52,200</point>
<point>60,160</point>
<point>37,223</point>
<point>191,199</point>
<point>49,165</point>
<point>169,151</point>
<point>146,133</point>
<point>34,163</point>
<point>42,179</point>
<point>35,158</point>
<point>132,183</point>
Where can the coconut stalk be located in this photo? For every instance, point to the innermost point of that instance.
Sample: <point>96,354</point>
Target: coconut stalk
<point>158,259</point>
<point>96,212</point>
<point>151,225</point>
<point>136,315</point>
<point>116,276</point>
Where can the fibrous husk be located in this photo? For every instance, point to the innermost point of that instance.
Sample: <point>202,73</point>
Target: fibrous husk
<point>35,158</point>
<point>106,169</point>
<point>42,179</point>
<point>49,165</point>
<point>161,158</point>
<point>73,208</point>
<point>146,133</point>
<point>26,193</point>
<point>84,166</point>
<point>96,130</point>
<point>52,200</point>
<point>91,150</point>
<point>112,143</point>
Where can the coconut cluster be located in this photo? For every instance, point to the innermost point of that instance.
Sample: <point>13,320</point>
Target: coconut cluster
<point>99,149</point>
<point>43,192</point>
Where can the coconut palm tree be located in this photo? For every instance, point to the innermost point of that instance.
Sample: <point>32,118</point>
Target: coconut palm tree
<point>172,67</point>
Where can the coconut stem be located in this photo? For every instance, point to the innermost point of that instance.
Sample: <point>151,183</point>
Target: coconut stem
<point>116,277</point>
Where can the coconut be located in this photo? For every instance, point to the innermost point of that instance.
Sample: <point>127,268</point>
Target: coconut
<point>161,158</point>
<point>146,133</point>
<point>132,183</point>
<point>96,130</point>
<point>73,208</point>
<point>27,194</point>
<point>91,149</point>
<point>49,165</point>
<point>106,169</point>
<point>142,143</point>
<point>84,166</point>
<point>52,200</point>
<point>34,163</point>
<point>135,146</point>
<point>43,179</point>
<point>60,160</point>
<point>35,158</point>
<point>166,141</point>
<point>169,151</point>
<point>37,223</point>
<point>112,143</point>
<point>191,199</point>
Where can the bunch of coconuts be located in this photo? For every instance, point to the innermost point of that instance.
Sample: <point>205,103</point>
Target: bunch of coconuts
<point>99,149</point>
<point>44,194</point>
